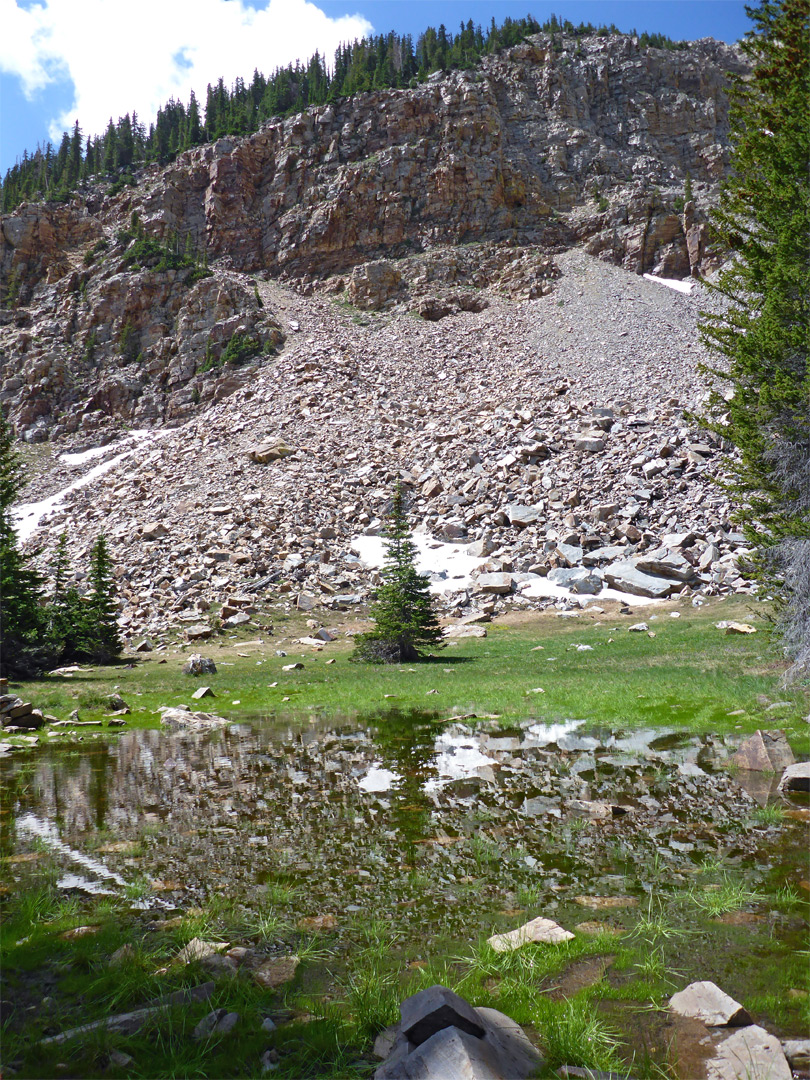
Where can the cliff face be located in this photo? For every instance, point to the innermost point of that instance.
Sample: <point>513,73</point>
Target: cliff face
<point>542,147</point>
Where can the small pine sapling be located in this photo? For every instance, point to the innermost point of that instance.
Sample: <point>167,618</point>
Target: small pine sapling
<point>405,620</point>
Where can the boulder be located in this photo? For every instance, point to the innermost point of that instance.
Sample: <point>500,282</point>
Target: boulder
<point>447,1053</point>
<point>796,777</point>
<point>523,515</point>
<point>765,751</point>
<point>797,1052</point>
<point>751,1053</point>
<point>668,564</point>
<point>273,972</point>
<point>540,929</point>
<point>708,1003</point>
<point>625,577</point>
<point>579,580</point>
<point>265,452</point>
<point>153,530</point>
<point>199,665</point>
<point>434,1009</point>
<point>496,1049</point>
<point>495,584</point>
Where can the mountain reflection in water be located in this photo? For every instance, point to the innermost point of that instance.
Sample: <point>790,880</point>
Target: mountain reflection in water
<point>442,820</point>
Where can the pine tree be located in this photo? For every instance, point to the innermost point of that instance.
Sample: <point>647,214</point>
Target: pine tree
<point>21,615</point>
<point>405,620</point>
<point>66,612</point>
<point>103,641</point>
<point>764,219</point>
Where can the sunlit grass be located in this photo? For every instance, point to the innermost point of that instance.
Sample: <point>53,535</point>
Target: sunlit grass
<point>677,677</point>
<point>719,899</point>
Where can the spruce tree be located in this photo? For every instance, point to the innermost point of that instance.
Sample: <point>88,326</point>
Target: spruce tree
<point>403,613</point>
<point>102,639</point>
<point>21,615</point>
<point>763,337</point>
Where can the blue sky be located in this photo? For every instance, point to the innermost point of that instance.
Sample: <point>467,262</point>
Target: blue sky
<point>62,60</point>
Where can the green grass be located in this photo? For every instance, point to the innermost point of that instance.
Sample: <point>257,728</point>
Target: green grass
<point>690,675</point>
<point>730,894</point>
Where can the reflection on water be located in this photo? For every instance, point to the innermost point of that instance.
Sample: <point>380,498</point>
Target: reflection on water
<point>29,825</point>
<point>403,812</point>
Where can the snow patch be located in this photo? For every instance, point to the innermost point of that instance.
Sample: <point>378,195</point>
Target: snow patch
<point>27,517</point>
<point>672,283</point>
<point>447,565</point>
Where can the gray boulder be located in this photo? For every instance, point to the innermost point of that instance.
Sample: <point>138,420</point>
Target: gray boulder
<point>199,665</point>
<point>625,577</point>
<point>501,1051</point>
<point>796,777</point>
<point>434,1009</point>
<point>708,1003</point>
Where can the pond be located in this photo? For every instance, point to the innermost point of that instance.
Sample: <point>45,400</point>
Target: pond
<point>449,822</point>
<point>441,832</point>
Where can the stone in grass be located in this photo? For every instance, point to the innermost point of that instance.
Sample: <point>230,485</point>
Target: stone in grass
<point>199,665</point>
<point>434,1009</point>
<point>545,930</point>
<point>202,692</point>
<point>796,777</point>
<point>751,1053</point>
<point>765,751</point>
<point>275,972</point>
<point>218,1022</point>
<point>708,1003</point>
<point>197,949</point>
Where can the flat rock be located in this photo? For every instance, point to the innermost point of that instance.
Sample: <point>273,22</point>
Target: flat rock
<point>274,972</point>
<point>626,578</point>
<point>196,721</point>
<point>458,630</point>
<point>708,1003</point>
<point>218,1022</point>
<point>796,777</point>
<point>751,1053</point>
<point>495,584</point>
<point>765,751</point>
<point>545,930</point>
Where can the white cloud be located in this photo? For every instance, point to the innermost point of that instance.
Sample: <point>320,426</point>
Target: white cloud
<point>134,57</point>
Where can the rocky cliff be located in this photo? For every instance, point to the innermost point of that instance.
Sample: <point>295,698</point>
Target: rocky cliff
<point>546,145</point>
